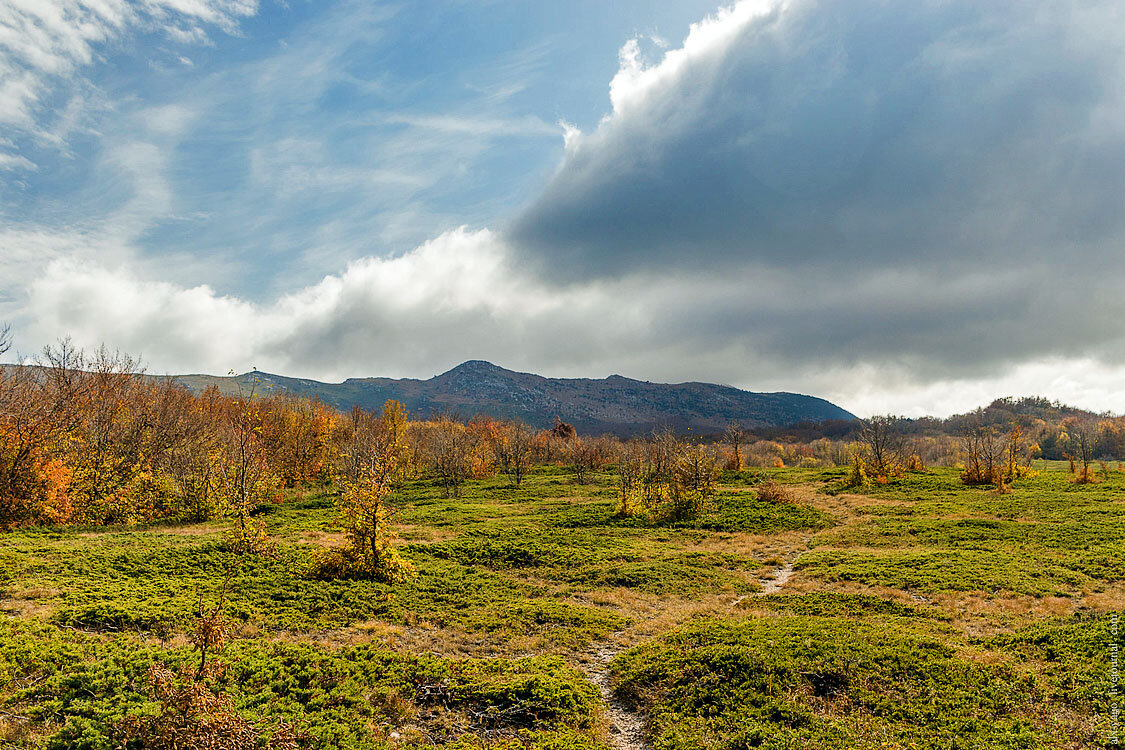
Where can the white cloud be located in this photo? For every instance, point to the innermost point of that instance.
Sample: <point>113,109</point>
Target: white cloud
<point>454,292</point>
<point>709,38</point>
<point>787,201</point>
<point>459,296</point>
<point>44,44</point>
<point>15,161</point>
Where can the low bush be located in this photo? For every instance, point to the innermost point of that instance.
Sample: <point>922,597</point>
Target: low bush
<point>785,682</point>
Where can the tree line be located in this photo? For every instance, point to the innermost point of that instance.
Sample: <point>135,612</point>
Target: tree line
<point>88,438</point>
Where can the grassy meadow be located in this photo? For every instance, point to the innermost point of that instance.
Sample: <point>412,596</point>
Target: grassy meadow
<point>919,613</point>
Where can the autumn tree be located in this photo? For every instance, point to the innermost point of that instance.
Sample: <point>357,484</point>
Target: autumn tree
<point>985,451</point>
<point>377,460</point>
<point>857,477</point>
<point>484,435</point>
<point>733,437</point>
<point>513,450</point>
<point>1083,434</point>
<point>884,445</point>
<point>631,468</point>
<point>587,457</point>
<point>301,439</point>
<point>40,405</point>
<point>664,452</point>
<point>1017,454</point>
<point>448,448</point>
<point>113,479</point>
<point>694,477</point>
<point>564,431</point>
<point>197,459</point>
<point>246,480</point>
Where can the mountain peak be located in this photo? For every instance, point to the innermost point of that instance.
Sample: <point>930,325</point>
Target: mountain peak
<point>474,367</point>
<point>615,404</point>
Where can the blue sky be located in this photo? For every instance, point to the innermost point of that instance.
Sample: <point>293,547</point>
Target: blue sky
<point>310,133</point>
<point>898,208</point>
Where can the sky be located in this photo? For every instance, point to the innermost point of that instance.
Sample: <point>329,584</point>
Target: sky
<point>903,208</point>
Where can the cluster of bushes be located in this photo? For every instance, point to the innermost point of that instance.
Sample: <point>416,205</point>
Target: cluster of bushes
<point>665,478</point>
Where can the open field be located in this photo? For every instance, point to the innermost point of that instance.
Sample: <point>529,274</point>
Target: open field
<point>920,613</point>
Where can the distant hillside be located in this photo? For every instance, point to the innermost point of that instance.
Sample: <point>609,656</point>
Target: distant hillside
<point>610,405</point>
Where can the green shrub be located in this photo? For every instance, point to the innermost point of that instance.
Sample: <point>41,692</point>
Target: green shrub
<point>784,682</point>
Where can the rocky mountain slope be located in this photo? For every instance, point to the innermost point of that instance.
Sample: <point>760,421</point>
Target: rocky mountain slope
<point>610,405</point>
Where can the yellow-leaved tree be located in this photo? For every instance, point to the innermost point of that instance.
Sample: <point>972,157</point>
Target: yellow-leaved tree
<point>375,459</point>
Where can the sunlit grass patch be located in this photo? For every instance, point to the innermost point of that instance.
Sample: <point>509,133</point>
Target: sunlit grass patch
<point>782,682</point>
<point>945,570</point>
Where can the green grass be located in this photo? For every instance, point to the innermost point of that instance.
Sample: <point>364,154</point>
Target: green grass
<point>533,582</point>
<point>799,681</point>
<point>82,686</point>
<point>829,604</point>
<point>1048,536</point>
<point>946,570</point>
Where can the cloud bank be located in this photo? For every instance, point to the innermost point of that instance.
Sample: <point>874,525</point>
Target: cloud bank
<point>933,187</point>
<point>908,211</point>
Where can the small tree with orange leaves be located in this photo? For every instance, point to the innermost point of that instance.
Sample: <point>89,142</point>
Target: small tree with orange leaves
<point>377,457</point>
<point>485,434</point>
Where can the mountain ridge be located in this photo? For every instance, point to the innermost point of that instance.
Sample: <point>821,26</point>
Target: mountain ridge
<point>614,404</point>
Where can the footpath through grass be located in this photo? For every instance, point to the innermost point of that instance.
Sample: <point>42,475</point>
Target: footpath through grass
<point>922,613</point>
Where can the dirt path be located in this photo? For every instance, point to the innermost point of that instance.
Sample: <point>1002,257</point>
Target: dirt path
<point>626,727</point>
<point>780,578</point>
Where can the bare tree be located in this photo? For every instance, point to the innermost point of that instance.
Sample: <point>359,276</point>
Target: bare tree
<point>513,451</point>
<point>985,452</point>
<point>1083,440</point>
<point>664,452</point>
<point>5,338</point>
<point>734,437</point>
<point>448,448</point>
<point>588,457</point>
<point>884,444</point>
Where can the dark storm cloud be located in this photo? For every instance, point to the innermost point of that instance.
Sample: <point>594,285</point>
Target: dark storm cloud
<point>856,136</point>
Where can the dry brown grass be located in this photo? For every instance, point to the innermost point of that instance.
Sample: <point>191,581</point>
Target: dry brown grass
<point>33,601</point>
<point>322,538</point>
<point>1112,597</point>
<point>414,534</point>
<point>19,731</point>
